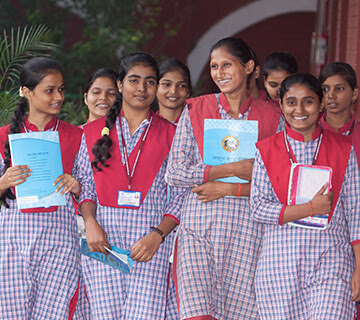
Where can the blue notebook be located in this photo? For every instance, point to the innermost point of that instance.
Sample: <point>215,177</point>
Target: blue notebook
<point>41,152</point>
<point>117,258</point>
<point>228,141</point>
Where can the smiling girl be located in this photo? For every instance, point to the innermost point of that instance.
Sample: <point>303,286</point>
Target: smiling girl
<point>39,251</point>
<point>305,273</point>
<point>100,93</point>
<point>128,151</point>
<point>218,243</point>
<point>174,88</point>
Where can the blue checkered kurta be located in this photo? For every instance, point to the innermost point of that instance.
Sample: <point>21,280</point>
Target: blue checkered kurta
<point>39,261</point>
<point>218,243</point>
<point>303,273</point>
<point>141,295</point>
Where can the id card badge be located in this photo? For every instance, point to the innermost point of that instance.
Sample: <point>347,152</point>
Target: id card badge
<point>129,198</point>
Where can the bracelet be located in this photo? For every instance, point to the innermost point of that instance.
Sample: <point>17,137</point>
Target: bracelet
<point>159,232</point>
<point>311,209</point>
<point>239,190</point>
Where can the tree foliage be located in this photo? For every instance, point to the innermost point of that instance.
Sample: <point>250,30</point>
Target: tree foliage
<point>16,47</point>
<point>105,31</point>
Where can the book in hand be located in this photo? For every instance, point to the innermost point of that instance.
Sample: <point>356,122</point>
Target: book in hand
<point>305,181</point>
<point>228,141</point>
<point>41,152</point>
<point>117,258</point>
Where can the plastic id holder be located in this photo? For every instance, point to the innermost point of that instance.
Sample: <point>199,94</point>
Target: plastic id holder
<point>129,198</point>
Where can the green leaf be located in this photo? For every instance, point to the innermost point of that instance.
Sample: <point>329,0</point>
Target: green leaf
<point>17,47</point>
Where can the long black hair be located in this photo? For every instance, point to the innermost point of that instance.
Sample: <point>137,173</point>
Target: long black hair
<point>32,73</point>
<point>102,146</point>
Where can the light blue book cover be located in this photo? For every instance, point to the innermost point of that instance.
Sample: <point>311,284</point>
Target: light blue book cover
<point>117,258</point>
<point>228,141</point>
<point>41,152</point>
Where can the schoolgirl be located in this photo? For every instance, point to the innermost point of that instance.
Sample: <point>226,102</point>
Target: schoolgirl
<point>128,151</point>
<point>39,252</point>
<point>277,66</point>
<point>100,93</point>
<point>338,80</point>
<point>306,273</point>
<point>174,88</point>
<point>218,243</point>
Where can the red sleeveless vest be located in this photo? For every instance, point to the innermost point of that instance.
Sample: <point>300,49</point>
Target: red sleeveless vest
<point>113,178</point>
<point>206,107</point>
<point>70,139</point>
<point>334,152</point>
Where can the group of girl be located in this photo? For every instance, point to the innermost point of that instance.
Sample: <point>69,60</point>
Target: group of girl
<point>137,174</point>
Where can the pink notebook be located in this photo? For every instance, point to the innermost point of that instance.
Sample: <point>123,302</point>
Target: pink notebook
<point>305,181</point>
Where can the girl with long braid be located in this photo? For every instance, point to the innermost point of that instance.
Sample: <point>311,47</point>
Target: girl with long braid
<point>39,252</point>
<point>128,151</point>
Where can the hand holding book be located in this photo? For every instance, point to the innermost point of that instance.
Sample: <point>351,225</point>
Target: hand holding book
<point>14,176</point>
<point>309,197</point>
<point>322,202</point>
<point>67,183</point>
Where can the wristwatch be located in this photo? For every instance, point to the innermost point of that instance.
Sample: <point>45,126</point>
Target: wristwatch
<point>159,232</point>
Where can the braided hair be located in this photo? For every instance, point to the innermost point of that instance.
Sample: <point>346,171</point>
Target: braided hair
<point>102,146</point>
<point>32,73</point>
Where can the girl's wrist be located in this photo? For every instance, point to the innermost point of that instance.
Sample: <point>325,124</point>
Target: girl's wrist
<point>77,191</point>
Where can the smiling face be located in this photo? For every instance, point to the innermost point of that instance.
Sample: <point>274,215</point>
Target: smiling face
<point>228,72</point>
<point>273,82</point>
<point>300,106</point>
<point>138,87</point>
<point>100,97</point>
<point>172,91</point>
<point>47,97</point>
<point>338,95</point>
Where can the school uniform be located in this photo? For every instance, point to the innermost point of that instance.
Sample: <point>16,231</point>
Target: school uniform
<point>218,243</point>
<point>351,129</point>
<point>142,294</point>
<point>271,102</point>
<point>304,273</point>
<point>40,263</point>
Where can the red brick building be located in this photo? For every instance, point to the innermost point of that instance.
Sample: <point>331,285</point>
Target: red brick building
<point>266,25</point>
<point>341,26</point>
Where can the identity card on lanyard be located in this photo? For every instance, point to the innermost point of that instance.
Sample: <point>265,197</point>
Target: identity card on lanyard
<point>131,198</point>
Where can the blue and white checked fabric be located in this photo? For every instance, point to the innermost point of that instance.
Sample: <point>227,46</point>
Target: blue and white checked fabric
<point>218,243</point>
<point>141,295</point>
<point>303,273</point>
<point>40,262</point>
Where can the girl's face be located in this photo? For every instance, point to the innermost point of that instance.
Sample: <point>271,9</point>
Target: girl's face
<point>301,106</point>
<point>100,97</point>
<point>273,82</point>
<point>48,96</point>
<point>338,95</point>
<point>138,87</point>
<point>173,90</point>
<point>228,72</point>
